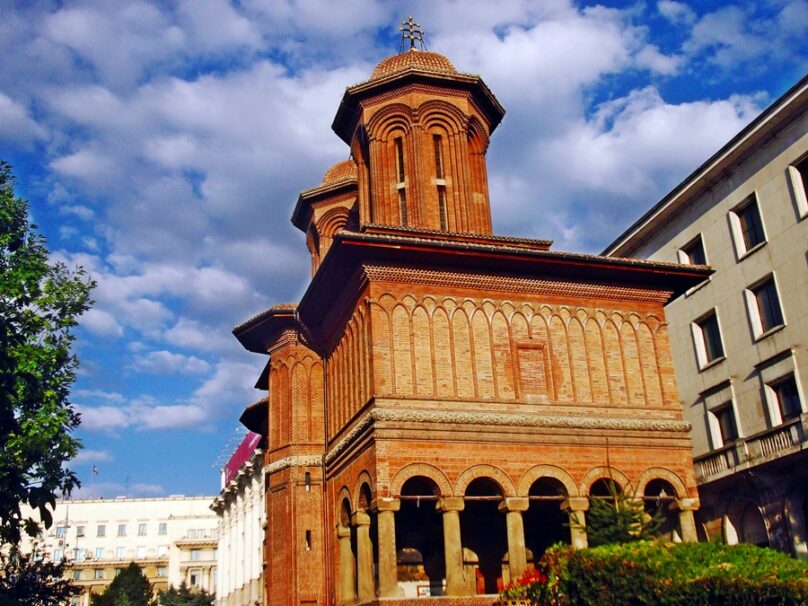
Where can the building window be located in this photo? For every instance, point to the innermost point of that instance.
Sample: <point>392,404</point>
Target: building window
<point>162,551</point>
<point>99,553</point>
<point>141,552</point>
<point>440,181</point>
<point>747,226</point>
<point>401,184</point>
<point>764,306</point>
<point>77,575</point>
<point>120,552</point>
<point>194,579</point>
<point>79,531</point>
<point>724,428</point>
<point>192,533</point>
<point>161,571</point>
<point>692,253</point>
<point>58,555</point>
<point>798,173</point>
<point>101,531</point>
<point>162,528</point>
<point>196,555</point>
<point>141,529</point>
<point>98,573</point>
<point>121,530</point>
<point>60,531</point>
<point>79,554</point>
<point>784,398</point>
<point>707,339</point>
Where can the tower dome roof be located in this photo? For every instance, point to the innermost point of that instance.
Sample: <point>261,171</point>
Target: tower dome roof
<point>413,59</point>
<point>345,169</point>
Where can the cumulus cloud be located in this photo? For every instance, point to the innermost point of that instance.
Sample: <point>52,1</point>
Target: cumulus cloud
<point>107,490</point>
<point>16,123</point>
<point>166,362</point>
<point>92,456</point>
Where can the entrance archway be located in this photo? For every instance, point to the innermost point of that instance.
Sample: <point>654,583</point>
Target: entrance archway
<point>420,560</point>
<point>484,536</point>
<point>545,522</point>
<point>657,499</point>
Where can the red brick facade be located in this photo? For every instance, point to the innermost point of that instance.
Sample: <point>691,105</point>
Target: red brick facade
<point>442,398</point>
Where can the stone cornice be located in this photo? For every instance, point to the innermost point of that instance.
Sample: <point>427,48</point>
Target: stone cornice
<point>387,415</point>
<point>293,461</point>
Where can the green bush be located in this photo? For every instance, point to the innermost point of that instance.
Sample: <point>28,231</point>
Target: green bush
<point>689,574</point>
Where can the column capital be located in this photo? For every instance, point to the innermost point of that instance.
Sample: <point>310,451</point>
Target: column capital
<point>514,504</point>
<point>360,518</point>
<point>343,532</point>
<point>688,503</point>
<point>576,504</point>
<point>385,504</point>
<point>450,504</point>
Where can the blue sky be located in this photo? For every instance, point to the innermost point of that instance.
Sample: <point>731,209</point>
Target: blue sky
<point>162,146</point>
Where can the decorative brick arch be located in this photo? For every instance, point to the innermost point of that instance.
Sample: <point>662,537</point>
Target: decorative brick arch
<point>343,497</point>
<point>364,479</point>
<point>485,471</point>
<point>546,471</point>
<point>421,469</point>
<point>660,473</point>
<point>598,473</point>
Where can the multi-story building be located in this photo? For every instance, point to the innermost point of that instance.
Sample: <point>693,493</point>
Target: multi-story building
<point>740,338</point>
<point>240,510</point>
<point>442,399</point>
<point>172,539</point>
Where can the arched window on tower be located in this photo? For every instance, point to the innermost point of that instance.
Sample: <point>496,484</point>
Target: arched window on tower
<point>401,180</point>
<point>440,181</point>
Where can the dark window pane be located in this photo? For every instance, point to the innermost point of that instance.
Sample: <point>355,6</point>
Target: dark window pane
<point>712,338</point>
<point>751,226</point>
<point>726,423</point>
<point>695,252</point>
<point>768,305</point>
<point>788,399</point>
<point>802,168</point>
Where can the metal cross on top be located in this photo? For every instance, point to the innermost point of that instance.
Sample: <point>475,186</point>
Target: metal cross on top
<point>412,31</point>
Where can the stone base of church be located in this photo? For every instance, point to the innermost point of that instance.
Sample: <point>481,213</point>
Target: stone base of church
<point>479,600</point>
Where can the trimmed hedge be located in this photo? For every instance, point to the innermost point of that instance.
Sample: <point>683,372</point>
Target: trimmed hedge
<point>686,574</point>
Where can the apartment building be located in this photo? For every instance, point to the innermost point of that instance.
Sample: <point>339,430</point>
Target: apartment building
<point>739,338</point>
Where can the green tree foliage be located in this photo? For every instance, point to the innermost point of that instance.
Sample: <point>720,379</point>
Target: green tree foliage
<point>129,588</point>
<point>40,302</point>
<point>619,518</point>
<point>27,581</point>
<point>184,597</point>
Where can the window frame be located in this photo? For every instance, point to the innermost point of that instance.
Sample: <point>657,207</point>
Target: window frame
<point>162,528</point>
<point>703,342</point>
<point>685,255</point>
<point>101,530</point>
<point>757,314</point>
<point>121,530</point>
<point>142,529</point>
<point>739,227</point>
<point>775,400</point>
<point>798,179</point>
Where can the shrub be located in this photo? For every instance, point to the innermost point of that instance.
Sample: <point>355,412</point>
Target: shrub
<point>691,574</point>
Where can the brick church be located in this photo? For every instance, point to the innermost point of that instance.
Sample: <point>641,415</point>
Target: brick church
<point>442,399</point>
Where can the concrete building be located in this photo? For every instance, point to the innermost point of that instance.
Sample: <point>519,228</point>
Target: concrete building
<point>240,510</point>
<point>442,398</point>
<point>173,539</point>
<point>739,338</point>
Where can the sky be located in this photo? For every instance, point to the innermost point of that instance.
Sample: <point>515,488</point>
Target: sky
<point>162,146</point>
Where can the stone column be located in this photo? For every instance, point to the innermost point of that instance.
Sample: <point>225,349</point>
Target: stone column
<point>576,507</point>
<point>347,567</point>
<point>517,556</point>
<point>386,509</point>
<point>452,546</point>
<point>365,585</point>
<point>687,521</point>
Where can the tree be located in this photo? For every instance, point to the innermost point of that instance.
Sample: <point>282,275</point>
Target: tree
<point>129,588</point>
<point>184,597</point>
<point>28,581</point>
<point>40,302</point>
<point>619,518</point>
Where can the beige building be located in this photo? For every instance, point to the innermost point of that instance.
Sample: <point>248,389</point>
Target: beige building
<point>173,539</point>
<point>241,522</point>
<point>739,339</point>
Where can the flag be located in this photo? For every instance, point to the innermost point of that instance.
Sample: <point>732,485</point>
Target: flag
<point>95,470</point>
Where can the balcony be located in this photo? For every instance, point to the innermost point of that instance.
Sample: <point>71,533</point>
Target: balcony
<point>768,445</point>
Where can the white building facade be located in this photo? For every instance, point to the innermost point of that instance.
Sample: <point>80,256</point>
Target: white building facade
<point>240,510</point>
<point>740,339</point>
<point>172,539</point>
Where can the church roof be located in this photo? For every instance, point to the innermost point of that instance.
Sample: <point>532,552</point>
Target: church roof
<point>413,60</point>
<point>340,172</point>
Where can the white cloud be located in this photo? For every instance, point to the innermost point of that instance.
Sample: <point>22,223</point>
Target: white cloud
<point>166,362</point>
<point>92,489</point>
<point>676,12</point>
<point>101,323</point>
<point>16,123</point>
<point>103,418</point>
<point>92,456</point>
<point>191,334</point>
